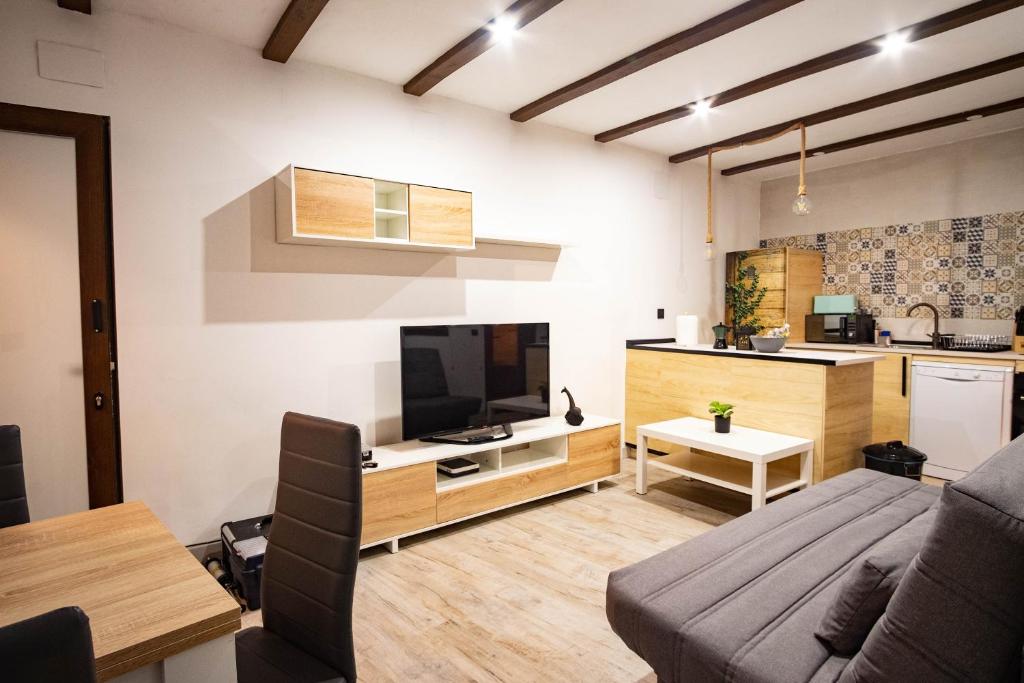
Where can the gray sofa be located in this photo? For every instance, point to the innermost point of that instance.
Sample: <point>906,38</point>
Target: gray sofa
<point>744,602</point>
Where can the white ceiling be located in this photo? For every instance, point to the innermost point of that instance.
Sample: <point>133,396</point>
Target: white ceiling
<point>392,40</point>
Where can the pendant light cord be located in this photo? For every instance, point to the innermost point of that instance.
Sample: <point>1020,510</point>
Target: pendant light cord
<point>709,237</point>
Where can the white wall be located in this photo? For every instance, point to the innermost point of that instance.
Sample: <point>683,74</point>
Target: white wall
<point>970,178</point>
<point>221,330</point>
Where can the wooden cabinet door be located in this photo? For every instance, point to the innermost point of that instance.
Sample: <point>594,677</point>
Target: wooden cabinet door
<point>333,204</point>
<point>891,414</point>
<point>439,216</point>
<point>594,454</point>
<point>399,501</point>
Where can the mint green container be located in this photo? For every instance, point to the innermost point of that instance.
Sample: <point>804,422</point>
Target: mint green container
<point>836,303</point>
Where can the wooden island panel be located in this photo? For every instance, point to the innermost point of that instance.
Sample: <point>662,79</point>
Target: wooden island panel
<point>830,405</point>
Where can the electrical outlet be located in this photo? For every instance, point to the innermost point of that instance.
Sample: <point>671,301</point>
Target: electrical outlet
<point>661,314</point>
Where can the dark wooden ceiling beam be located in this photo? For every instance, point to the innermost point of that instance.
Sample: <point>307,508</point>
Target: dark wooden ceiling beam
<point>851,53</point>
<point>715,27</point>
<point>298,17</point>
<point>920,127</point>
<point>83,6</point>
<point>916,90</point>
<point>522,12</point>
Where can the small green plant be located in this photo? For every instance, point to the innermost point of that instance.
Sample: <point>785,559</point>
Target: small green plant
<point>719,409</point>
<point>745,295</point>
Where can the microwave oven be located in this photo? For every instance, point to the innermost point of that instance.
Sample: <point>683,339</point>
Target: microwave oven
<point>849,328</point>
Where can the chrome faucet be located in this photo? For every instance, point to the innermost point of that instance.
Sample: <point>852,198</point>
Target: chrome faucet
<point>936,338</point>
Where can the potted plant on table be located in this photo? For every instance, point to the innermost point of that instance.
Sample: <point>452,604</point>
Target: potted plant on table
<point>744,294</point>
<point>723,416</point>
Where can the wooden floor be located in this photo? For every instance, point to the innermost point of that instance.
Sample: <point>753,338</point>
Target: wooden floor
<point>519,595</point>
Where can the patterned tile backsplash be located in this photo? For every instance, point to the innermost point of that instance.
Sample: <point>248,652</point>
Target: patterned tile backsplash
<point>967,267</point>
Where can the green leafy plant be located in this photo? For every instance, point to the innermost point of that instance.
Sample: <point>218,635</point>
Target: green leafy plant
<point>745,294</point>
<point>720,409</point>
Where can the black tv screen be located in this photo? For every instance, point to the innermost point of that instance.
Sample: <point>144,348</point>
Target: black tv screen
<point>457,377</point>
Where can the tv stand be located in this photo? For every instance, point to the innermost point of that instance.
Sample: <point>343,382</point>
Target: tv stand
<point>406,495</point>
<point>473,435</point>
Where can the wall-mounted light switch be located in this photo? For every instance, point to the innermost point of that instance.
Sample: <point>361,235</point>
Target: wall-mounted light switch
<point>661,314</point>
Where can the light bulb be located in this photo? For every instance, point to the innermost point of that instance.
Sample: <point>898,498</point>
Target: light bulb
<point>709,251</point>
<point>701,107</point>
<point>801,205</point>
<point>503,27</point>
<point>894,43</point>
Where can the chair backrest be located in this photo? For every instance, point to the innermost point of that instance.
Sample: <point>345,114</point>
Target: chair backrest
<point>13,501</point>
<point>309,570</point>
<point>56,646</point>
<point>958,612</point>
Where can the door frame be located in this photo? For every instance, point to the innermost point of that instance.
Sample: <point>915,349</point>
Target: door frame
<point>91,134</point>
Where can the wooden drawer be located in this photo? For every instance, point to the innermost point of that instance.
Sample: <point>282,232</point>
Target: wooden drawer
<point>333,204</point>
<point>439,216</point>
<point>594,454</point>
<point>497,493</point>
<point>399,501</point>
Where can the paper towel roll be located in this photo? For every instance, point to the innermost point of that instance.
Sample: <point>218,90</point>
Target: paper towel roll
<point>686,330</point>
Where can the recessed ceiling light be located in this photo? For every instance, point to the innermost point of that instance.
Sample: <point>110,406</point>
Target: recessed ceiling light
<point>894,43</point>
<point>701,107</point>
<point>818,154</point>
<point>974,117</point>
<point>503,26</point>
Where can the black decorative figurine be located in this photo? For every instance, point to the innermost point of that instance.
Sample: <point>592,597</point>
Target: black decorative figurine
<point>574,415</point>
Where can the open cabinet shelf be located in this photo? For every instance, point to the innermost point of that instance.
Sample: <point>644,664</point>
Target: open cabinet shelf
<point>509,460</point>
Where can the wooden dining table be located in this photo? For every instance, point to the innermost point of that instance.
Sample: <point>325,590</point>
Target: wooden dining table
<point>156,614</point>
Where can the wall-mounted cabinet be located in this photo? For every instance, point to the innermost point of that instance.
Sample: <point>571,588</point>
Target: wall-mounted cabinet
<point>336,209</point>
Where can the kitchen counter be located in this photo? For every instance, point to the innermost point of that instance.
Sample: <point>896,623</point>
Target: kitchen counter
<point>821,395</point>
<point>915,350</point>
<point>834,355</point>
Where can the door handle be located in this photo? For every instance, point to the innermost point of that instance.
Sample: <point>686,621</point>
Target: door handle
<point>97,315</point>
<point>903,379</point>
<point>98,400</point>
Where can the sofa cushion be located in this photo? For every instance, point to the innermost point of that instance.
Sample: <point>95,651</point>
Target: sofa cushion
<point>741,602</point>
<point>958,613</point>
<point>869,584</point>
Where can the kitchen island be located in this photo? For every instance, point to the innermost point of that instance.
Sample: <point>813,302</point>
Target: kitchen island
<point>825,396</point>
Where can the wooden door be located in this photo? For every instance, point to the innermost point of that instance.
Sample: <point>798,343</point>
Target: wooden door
<point>95,304</point>
<point>439,216</point>
<point>333,204</point>
<point>891,406</point>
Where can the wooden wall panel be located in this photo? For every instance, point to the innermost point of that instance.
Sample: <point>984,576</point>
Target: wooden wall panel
<point>399,501</point>
<point>438,216</point>
<point>333,204</point>
<point>594,454</point>
<point>804,278</point>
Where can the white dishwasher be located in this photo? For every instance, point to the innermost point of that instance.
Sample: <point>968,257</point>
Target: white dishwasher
<point>960,414</point>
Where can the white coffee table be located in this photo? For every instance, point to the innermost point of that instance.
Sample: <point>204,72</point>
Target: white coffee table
<point>750,451</point>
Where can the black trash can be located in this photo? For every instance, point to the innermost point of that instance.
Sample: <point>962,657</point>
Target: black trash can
<point>895,457</point>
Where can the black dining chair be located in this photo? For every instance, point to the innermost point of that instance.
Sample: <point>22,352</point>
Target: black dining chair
<point>55,646</point>
<point>309,570</point>
<point>13,501</point>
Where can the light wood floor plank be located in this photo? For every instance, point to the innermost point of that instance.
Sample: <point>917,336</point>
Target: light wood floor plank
<point>518,595</point>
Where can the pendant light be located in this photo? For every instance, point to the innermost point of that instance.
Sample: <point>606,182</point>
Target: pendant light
<point>802,205</point>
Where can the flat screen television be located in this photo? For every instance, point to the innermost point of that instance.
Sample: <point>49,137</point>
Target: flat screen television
<point>460,377</point>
